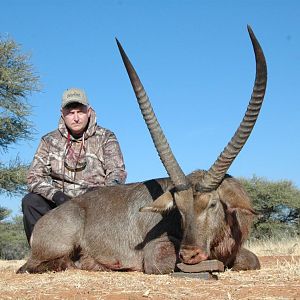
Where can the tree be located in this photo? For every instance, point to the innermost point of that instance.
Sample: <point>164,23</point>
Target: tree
<point>277,204</point>
<point>17,81</point>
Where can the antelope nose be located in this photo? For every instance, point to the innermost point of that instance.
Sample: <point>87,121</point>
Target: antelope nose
<point>192,255</point>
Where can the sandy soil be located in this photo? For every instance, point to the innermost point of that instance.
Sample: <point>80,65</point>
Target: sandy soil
<point>279,278</point>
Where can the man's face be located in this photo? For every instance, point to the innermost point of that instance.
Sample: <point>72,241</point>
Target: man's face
<point>76,118</point>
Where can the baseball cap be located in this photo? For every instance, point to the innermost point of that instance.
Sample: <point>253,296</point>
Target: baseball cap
<point>74,95</point>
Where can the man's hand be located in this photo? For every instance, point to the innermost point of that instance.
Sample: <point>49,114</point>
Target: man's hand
<point>59,198</point>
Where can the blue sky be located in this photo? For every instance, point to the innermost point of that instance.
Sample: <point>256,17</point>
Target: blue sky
<point>197,65</point>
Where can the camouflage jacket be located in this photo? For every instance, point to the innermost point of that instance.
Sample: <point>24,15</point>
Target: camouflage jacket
<point>75,165</point>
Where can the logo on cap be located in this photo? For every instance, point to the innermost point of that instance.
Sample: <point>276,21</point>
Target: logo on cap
<point>73,95</point>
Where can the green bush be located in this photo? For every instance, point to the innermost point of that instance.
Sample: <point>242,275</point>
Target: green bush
<point>13,242</point>
<point>278,206</point>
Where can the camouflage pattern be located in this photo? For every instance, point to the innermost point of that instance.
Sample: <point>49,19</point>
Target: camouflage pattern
<point>75,165</point>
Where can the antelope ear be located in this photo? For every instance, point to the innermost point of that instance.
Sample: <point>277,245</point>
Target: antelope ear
<point>233,194</point>
<point>161,204</point>
<point>247,211</point>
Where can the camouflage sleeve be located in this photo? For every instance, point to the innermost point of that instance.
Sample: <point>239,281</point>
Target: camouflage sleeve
<point>113,161</point>
<point>38,178</point>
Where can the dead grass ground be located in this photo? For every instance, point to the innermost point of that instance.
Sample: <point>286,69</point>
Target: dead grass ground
<point>279,278</point>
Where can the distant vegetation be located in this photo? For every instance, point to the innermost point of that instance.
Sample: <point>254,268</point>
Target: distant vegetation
<point>278,206</point>
<point>13,242</point>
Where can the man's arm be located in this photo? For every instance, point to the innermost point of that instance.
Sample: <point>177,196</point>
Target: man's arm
<point>113,161</point>
<point>39,174</point>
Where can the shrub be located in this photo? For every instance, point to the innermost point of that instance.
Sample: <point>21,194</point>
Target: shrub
<point>13,242</point>
<point>278,207</point>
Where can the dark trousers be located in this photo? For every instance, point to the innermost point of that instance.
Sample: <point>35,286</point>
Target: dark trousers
<point>34,207</point>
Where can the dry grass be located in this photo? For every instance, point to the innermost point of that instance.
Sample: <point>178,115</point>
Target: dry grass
<point>279,278</point>
<point>284,246</point>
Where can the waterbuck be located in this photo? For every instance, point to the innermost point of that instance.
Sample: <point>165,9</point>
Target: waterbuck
<point>150,226</point>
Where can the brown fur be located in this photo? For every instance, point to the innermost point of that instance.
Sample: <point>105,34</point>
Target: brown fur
<point>104,230</point>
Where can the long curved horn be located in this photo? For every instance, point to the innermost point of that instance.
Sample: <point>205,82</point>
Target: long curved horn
<point>162,147</point>
<point>217,171</point>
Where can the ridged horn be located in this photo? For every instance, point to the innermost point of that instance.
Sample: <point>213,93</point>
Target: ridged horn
<point>162,147</point>
<point>217,171</point>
